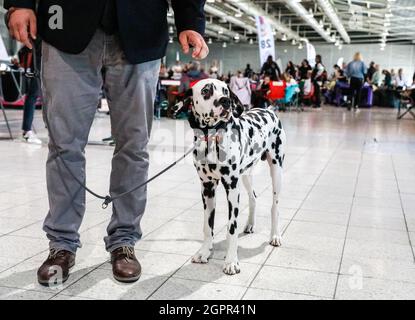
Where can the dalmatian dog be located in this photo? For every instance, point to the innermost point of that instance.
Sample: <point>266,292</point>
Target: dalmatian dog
<point>228,144</point>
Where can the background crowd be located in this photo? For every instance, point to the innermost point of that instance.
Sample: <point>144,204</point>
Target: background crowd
<point>351,85</point>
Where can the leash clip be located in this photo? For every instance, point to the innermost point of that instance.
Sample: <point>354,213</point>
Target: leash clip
<point>106,203</point>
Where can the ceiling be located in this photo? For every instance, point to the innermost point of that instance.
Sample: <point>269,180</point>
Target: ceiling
<point>317,21</point>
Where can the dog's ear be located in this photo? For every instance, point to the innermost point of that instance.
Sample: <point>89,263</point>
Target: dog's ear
<point>194,123</point>
<point>237,106</point>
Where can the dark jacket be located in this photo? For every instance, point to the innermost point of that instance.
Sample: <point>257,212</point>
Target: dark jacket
<point>142,24</point>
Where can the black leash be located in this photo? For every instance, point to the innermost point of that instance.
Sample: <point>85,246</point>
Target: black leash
<point>35,74</point>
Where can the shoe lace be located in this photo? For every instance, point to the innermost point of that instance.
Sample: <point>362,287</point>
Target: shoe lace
<point>54,253</point>
<point>128,251</point>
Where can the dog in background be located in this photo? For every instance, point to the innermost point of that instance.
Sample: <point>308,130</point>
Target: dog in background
<point>228,144</point>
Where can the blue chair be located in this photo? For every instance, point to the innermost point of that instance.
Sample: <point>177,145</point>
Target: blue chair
<point>291,97</point>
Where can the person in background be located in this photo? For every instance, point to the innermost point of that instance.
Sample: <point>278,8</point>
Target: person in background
<point>308,84</point>
<point>393,75</point>
<point>163,73</point>
<point>248,71</point>
<point>291,70</point>
<point>194,74</point>
<point>213,71</point>
<point>288,79</point>
<point>400,80</point>
<point>241,86</point>
<point>377,76</point>
<point>262,92</point>
<point>271,68</point>
<point>387,82</point>
<point>177,70</point>
<point>318,79</point>
<point>356,71</point>
<point>303,69</point>
<point>370,71</point>
<point>33,91</point>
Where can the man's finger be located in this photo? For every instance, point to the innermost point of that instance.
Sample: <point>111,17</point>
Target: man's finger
<point>24,37</point>
<point>185,44</point>
<point>33,27</point>
<point>198,46</point>
<point>16,34</point>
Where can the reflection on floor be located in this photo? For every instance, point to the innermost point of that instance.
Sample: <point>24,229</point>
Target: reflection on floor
<point>348,211</point>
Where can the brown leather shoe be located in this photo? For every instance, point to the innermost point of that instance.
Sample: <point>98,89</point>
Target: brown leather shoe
<point>55,270</point>
<point>125,266</point>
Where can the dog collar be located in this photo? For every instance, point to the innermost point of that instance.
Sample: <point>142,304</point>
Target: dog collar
<point>206,138</point>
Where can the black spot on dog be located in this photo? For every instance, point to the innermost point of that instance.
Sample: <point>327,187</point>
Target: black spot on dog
<point>233,227</point>
<point>234,182</point>
<point>225,171</point>
<point>234,167</point>
<point>207,91</point>
<point>211,220</point>
<point>251,132</point>
<point>212,167</point>
<point>236,212</point>
<point>230,207</point>
<point>209,190</point>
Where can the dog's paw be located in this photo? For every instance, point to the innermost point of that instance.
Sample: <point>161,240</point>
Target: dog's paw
<point>201,257</point>
<point>276,241</point>
<point>249,228</point>
<point>231,268</point>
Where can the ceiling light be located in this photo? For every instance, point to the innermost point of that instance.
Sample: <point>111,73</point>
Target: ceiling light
<point>224,45</point>
<point>284,37</point>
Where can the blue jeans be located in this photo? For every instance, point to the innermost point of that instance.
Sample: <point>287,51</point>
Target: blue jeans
<point>30,104</point>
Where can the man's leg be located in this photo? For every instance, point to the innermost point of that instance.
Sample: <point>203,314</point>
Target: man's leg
<point>131,92</point>
<point>71,86</point>
<point>30,105</point>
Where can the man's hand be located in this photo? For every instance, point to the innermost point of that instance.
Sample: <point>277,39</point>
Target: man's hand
<point>189,38</point>
<point>22,22</point>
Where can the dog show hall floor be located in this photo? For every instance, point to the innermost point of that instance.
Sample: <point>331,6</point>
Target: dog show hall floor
<point>347,211</point>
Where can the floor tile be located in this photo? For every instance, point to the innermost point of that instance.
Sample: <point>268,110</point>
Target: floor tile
<point>100,284</point>
<point>262,294</point>
<point>353,288</point>
<point>183,289</point>
<point>296,281</point>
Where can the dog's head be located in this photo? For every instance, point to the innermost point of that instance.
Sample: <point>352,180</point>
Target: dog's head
<point>212,102</point>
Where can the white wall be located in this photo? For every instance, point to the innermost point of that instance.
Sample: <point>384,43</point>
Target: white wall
<point>236,56</point>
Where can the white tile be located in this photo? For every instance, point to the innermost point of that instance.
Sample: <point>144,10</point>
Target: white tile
<point>19,294</point>
<point>304,259</point>
<point>387,269</point>
<point>353,288</point>
<point>100,284</point>
<point>183,289</point>
<point>213,272</point>
<point>296,281</point>
<point>262,294</point>
<point>380,250</point>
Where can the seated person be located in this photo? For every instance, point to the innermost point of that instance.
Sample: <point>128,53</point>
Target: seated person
<point>260,99</point>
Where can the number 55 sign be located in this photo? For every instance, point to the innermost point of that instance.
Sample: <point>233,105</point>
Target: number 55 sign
<point>265,39</point>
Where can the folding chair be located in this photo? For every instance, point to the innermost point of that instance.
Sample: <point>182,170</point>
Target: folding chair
<point>291,97</point>
<point>408,103</point>
<point>6,120</point>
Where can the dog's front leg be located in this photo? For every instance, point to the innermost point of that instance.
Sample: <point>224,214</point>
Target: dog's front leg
<point>209,203</point>
<point>231,266</point>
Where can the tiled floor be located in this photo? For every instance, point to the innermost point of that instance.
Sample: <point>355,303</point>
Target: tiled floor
<point>348,212</point>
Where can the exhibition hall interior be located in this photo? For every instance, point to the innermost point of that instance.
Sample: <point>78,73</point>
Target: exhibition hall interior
<point>324,89</point>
